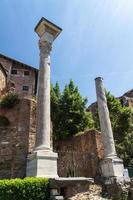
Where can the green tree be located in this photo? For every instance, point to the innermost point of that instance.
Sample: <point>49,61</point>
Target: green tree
<point>125,149</point>
<point>120,117</point>
<point>55,108</point>
<point>55,101</point>
<point>68,111</point>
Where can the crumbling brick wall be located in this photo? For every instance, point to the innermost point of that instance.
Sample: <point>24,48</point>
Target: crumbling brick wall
<point>16,139</point>
<point>78,155</point>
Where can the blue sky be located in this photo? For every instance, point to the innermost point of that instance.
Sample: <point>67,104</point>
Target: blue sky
<point>97,40</point>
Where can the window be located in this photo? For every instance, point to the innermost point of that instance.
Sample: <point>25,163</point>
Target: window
<point>14,71</point>
<point>25,88</point>
<point>26,73</point>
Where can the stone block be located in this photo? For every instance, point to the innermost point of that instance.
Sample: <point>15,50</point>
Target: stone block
<point>42,163</point>
<point>112,167</point>
<point>70,186</point>
<point>58,198</point>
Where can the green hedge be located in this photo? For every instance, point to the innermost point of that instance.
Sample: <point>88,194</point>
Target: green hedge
<point>24,189</point>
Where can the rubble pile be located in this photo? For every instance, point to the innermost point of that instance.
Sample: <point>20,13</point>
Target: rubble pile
<point>94,193</point>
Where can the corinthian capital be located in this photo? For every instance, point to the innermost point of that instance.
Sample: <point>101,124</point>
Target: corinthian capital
<point>45,47</point>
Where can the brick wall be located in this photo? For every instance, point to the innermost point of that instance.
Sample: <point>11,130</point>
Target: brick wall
<point>17,139</point>
<point>78,156</point>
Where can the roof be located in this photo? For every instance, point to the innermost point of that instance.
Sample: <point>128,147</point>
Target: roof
<point>12,59</point>
<point>129,93</point>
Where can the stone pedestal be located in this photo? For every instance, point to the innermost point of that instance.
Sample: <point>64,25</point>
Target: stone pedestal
<point>112,167</point>
<point>43,161</point>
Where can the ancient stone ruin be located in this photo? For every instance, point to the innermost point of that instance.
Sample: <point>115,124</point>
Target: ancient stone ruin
<point>81,164</point>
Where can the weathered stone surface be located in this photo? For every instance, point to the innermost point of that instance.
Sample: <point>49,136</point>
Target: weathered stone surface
<point>93,193</point>
<point>16,140</point>
<point>69,187</point>
<point>42,164</point>
<point>105,123</point>
<point>80,155</point>
<point>131,190</point>
<point>43,102</point>
<point>111,166</point>
<point>117,190</point>
<point>43,161</point>
<point>47,32</point>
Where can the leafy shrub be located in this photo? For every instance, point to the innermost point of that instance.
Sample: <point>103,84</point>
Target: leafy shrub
<point>4,121</point>
<point>24,189</point>
<point>9,100</point>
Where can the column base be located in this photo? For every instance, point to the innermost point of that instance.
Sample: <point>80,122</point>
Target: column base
<point>112,167</point>
<point>42,163</point>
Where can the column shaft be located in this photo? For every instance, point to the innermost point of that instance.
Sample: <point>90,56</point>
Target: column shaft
<point>43,101</point>
<point>105,124</point>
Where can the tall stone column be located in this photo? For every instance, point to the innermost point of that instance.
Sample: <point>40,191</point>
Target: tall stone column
<point>106,129</point>
<point>43,161</point>
<point>111,165</point>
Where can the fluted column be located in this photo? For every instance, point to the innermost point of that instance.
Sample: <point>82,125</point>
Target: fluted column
<point>105,124</point>
<point>43,102</point>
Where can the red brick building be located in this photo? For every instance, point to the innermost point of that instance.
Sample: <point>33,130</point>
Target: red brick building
<point>17,76</point>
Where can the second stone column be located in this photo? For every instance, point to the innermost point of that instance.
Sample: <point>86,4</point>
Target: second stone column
<point>111,165</point>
